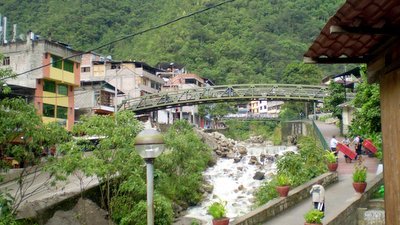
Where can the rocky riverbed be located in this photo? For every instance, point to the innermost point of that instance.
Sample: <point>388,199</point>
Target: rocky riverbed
<point>239,170</point>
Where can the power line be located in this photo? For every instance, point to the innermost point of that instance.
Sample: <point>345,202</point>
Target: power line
<point>128,36</point>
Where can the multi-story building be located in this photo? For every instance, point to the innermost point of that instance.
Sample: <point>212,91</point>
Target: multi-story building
<point>254,107</point>
<point>51,69</point>
<point>274,108</point>
<point>95,97</point>
<point>265,108</point>
<point>131,77</point>
<point>177,78</point>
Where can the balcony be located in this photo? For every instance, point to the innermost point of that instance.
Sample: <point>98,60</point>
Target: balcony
<point>62,75</point>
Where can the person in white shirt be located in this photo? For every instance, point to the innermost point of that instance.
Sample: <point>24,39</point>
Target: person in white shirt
<point>318,196</point>
<point>357,146</point>
<point>347,142</point>
<point>333,144</point>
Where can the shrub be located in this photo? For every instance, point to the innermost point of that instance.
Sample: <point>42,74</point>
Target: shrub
<point>283,180</point>
<point>217,209</point>
<point>314,216</point>
<point>266,192</point>
<point>330,157</point>
<point>163,214</point>
<point>298,167</point>
<point>178,174</point>
<point>380,193</point>
<point>360,172</point>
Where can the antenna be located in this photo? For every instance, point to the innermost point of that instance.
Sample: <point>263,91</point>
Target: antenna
<point>1,30</point>
<point>4,30</point>
<point>14,34</point>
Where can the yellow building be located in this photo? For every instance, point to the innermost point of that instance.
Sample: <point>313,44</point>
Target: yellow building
<point>41,65</point>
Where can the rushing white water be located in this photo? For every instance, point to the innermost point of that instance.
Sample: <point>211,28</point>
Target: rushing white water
<point>234,183</point>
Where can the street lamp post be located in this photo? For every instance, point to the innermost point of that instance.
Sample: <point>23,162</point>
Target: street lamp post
<point>149,143</point>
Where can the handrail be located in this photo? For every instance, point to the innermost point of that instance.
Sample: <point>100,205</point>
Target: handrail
<point>321,137</point>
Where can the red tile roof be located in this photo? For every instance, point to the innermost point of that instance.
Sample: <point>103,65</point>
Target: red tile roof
<point>372,23</point>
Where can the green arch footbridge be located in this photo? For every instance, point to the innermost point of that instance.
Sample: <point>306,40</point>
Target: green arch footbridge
<point>226,93</point>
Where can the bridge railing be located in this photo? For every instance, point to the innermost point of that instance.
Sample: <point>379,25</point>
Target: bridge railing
<point>320,136</point>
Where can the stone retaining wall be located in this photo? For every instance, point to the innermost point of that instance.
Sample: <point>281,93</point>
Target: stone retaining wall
<point>347,215</point>
<point>278,205</point>
<point>13,174</point>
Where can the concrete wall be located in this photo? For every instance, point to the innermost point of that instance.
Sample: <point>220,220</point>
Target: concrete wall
<point>278,205</point>
<point>293,128</point>
<point>348,215</point>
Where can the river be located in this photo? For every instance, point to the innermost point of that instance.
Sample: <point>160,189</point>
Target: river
<point>234,183</point>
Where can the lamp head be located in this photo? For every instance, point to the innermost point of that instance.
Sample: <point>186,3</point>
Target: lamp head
<point>149,143</point>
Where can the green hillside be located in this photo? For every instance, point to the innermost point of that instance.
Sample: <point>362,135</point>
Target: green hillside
<point>246,41</point>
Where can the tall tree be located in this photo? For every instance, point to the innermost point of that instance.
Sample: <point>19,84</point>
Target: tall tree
<point>336,97</point>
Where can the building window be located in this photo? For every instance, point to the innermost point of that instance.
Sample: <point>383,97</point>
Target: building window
<point>190,81</point>
<point>62,89</point>
<point>56,62</point>
<point>62,112</point>
<point>6,61</point>
<point>85,69</point>
<point>69,66</point>
<point>48,110</point>
<point>115,66</point>
<point>49,86</point>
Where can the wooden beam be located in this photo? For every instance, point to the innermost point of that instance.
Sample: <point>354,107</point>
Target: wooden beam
<point>310,60</point>
<point>392,31</point>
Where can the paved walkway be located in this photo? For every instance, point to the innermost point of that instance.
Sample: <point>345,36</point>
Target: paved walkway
<point>338,196</point>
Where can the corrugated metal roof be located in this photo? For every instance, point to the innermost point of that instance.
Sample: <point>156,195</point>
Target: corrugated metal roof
<point>369,24</point>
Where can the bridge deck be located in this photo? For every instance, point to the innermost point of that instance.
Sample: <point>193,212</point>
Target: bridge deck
<point>226,93</point>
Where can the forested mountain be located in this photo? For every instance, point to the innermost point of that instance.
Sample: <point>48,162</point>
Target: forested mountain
<point>245,41</point>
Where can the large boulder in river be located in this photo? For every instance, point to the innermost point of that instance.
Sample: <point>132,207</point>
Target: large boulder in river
<point>242,150</point>
<point>237,159</point>
<point>259,176</point>
<point>256,139</point>
<point>253,160</point>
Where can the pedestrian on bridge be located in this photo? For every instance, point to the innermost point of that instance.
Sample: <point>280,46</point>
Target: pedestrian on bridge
<point>318,196</point>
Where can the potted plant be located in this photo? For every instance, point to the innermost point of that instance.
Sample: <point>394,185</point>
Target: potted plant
<point>360,177</point>
<point>283,185</point>
<point>331,161</point>
<point>218,212</point>
<point>314,216</point>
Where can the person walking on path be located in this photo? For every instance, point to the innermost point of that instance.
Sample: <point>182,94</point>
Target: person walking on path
<point>318,196</point>
<point>358,146</point>
<point>346,142</point>
<point>333,144</point>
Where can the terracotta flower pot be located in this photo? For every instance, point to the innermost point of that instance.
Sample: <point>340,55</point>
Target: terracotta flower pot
<point>360,186</point>
<point>222,221</point>
<point>333,166</point>
<point>283,190</point>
